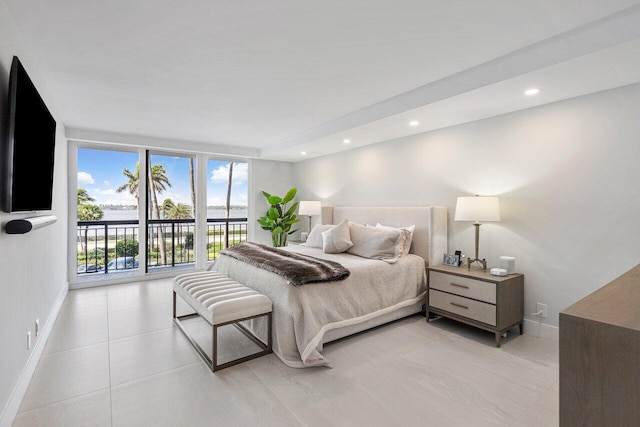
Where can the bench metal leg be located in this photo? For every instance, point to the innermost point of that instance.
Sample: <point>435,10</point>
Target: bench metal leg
<point>266,348</point>
<point>212,362</point>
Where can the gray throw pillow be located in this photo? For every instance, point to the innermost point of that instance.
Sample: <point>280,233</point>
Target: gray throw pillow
<point>337,239</point>
<point>376,243</point>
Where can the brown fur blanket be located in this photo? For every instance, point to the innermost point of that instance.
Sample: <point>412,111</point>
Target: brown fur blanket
<point>297,268</point>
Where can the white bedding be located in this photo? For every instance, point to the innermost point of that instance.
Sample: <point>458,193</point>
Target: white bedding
<point>303,314</point>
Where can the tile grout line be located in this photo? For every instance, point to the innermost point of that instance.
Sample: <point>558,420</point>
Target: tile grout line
<point>57,352</point>
<point>57,402</point>
<point>109,361</point>
<point>275,394</point>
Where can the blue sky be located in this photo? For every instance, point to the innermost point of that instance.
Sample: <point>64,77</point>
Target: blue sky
<point>100,173</point>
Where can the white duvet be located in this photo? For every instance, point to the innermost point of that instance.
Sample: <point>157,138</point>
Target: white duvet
<point>303,314</point>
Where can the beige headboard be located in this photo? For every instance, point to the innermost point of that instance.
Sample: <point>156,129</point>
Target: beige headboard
<point>430,235</point>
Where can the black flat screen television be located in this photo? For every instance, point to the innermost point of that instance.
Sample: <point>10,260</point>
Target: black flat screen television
<point>28,147</point>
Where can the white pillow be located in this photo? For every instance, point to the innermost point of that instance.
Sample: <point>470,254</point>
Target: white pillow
<point>314,240</point>
<point>408,236</point>
<point>376,243</point>
<point>337,239</point>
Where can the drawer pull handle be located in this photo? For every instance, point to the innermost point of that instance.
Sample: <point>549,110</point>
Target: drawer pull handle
<point>459,305</point>
<point>460,286</point>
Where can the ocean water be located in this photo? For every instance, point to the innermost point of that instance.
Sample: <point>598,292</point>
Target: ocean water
<point>116,215</point>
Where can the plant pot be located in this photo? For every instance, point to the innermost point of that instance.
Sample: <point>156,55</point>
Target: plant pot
<point>279,239</point>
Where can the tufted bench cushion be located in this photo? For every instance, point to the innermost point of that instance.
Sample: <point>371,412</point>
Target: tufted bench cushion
<point>221,301</point>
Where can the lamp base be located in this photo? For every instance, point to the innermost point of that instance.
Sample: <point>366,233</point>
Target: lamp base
<point>476,259</point>
<point>481,261</point>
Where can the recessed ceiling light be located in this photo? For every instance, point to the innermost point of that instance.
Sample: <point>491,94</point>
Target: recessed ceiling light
<point>346,141</point>
<point>304,153</point>
<point>414,123</point>
<point>532,91</point>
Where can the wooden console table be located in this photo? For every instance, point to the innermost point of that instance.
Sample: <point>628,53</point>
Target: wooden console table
<point>600,356</point>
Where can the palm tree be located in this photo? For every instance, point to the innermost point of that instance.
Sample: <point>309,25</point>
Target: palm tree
<point>167,206</point>
<point>173,211</point>
<point>84,197</point>
<point>193,188</point>
<point>226,227</point>
<point>180,211</point>
<point>87,212</point>
<point>158,182</point>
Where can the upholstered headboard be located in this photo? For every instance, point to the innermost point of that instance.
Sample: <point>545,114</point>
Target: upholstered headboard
<point>430,235</point>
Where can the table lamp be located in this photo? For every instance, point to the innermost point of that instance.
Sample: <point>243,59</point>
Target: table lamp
<point>309,208</point>
<point>478,208</point>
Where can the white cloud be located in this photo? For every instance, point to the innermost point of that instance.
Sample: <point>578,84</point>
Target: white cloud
<point>84,179</point>
<point>240,173</point>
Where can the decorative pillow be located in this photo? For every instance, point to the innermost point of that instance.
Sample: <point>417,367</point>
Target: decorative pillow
<point>336,239</point>
<point>408,236</point>
<point>376,243</point>
<point>314,240</point>
<point>359,223</point>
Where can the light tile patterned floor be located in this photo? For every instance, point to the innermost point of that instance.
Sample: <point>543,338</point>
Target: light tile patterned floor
<point>114,358</point>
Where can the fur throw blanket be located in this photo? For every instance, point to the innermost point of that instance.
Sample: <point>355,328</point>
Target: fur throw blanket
<point>297,268</point>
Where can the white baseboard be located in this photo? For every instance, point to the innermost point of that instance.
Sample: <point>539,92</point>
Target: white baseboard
<point>15,399</point>
<point>541,330</point>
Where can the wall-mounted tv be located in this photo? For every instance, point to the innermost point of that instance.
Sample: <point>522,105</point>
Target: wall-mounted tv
<point>28,147</point>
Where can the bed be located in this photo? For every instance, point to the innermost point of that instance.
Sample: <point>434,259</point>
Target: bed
<point>375,292</point>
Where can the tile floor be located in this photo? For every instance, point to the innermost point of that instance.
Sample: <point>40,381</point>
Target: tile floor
<point>114,358</point>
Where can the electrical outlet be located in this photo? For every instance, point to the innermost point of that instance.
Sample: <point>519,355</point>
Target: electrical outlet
<point>37,327</point>
<point>540,307</point>
<point>28,340</point>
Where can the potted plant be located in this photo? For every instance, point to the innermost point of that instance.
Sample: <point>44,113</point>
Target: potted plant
<point>279,218</point>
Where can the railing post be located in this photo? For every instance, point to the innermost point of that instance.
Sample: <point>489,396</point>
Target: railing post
<point>182,226</point>
<point>173,244</point>
<point>226,232</point>
<point>106,248</point>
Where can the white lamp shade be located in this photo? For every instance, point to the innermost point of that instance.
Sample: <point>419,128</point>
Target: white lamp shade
<point>478,208</point>
<point>310,208</point>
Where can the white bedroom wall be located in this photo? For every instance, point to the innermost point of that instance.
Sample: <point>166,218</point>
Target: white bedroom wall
<point>566,175</point>
<point>33,266</point>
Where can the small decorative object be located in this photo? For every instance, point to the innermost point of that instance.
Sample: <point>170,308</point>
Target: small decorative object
<point>498,272</point>
<point>452,260</point>
<point>459,253</point>
<point>477,209</point>
<point>508,263</point>
<point>279,219</point>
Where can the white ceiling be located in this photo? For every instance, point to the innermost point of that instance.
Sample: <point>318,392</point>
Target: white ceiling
<point>270,79</point>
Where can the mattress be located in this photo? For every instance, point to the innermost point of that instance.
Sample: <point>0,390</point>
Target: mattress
<point>302,315</point>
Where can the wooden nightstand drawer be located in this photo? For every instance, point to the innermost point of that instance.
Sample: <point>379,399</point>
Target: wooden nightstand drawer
<point>476,310</point>
<point>475,297</point>
<point>464,286</point>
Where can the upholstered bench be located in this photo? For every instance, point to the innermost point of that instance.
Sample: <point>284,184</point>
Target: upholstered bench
<point>221,301</point>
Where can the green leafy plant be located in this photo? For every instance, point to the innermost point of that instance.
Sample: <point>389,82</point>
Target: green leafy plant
<point>279,219</point>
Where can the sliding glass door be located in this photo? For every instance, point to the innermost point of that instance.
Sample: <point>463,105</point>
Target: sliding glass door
<point>171,211</point>
<point>226,205</point>
<point>107,230</point>
<point>133,219</point>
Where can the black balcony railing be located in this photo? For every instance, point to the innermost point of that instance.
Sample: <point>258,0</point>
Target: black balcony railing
<point>112,246</point>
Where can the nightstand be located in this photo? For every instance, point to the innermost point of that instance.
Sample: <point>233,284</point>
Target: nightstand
<point>294,242</point>
<point>492,303</point>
